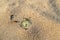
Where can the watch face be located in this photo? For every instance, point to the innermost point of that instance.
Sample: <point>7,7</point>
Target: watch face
<point>29,19</point>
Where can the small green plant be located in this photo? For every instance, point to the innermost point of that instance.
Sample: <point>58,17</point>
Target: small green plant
<point>25,23</point>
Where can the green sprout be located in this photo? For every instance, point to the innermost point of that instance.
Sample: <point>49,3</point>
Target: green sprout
<point>25,23</point>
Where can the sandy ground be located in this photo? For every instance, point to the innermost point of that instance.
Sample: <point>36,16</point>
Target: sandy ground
<point>44,15</point>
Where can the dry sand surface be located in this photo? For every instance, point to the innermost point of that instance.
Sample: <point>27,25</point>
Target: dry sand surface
<point>43,14</point>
